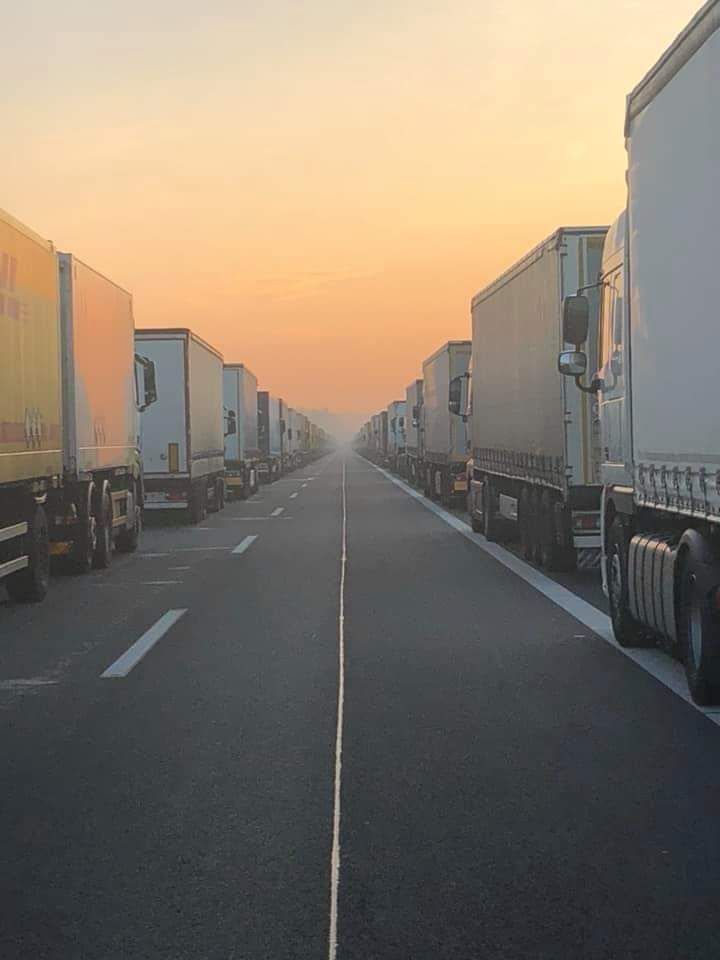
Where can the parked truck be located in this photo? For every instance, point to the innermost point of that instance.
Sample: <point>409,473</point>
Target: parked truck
<point>658,374</point>
<point>242,452</point>
<point>182,433</point>
<point>293,433</point>
<point>71,481</point>
<point>534,465</point>
<point>31,454</point>
<point>444,462</point>
<point>397,438</point>
<point>270,437</point>
<point>413,432</point>
<point>379,439</point>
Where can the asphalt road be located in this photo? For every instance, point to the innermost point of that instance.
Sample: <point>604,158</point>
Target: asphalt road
<point>511,785</point>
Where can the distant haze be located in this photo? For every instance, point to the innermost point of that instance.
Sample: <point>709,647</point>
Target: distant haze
<point>318,188</point>
<point>342,426</point>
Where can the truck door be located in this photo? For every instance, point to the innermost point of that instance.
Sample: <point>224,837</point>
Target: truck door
<point>613,357</point>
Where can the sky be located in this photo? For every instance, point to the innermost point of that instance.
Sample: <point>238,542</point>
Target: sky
<point>318,187</point>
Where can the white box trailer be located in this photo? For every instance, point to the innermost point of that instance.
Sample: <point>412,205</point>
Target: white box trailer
<point>413,430</point>
<point>445,435</point>
<point>242,452</point>
<point>103,386</point>
<point>534,442</point>
<point>397,438</point>
<point>270,436</point>
<point>658,371</point>
<point>182,433</point>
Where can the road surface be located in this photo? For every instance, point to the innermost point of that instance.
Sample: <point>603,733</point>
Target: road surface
<point>503,782</point>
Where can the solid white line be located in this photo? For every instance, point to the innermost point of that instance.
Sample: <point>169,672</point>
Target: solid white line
<point>244,544</point>
<point>292,496</point>
<point>659,665</point>
<point>335,855</point>
<point>159,583</point>
<point>151,556</point>
<point>277,511</point>
<point>202,549</point>
<point>179,568</point>
<point>134,654</point>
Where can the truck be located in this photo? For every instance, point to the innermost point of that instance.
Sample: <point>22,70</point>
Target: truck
<point>379,438</point>
<point>657,375</point>
<point>444,464</point>
<point>270,436</point>
<point>294,435</point>
<point>182,433</point>
<point>242,452</point>
<point>31,454</point>
<point>413,431</point>
<point>534,465</point>
<point>71,481</point>
<point>396,435</point>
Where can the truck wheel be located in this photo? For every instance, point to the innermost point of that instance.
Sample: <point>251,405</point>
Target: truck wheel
<point>104,546</point>
<point>476,522</point>
<point>220,495</point>
<point>86,541</point>
<point>699,630</point>
<point>128,540</point>
<point>31,584</point>
<point>491,524</point>
<point>628,632</point>
<point>213,504</point>
<point>552,555</point>
<point>526,525</point>
<point>198,503</point>
<point>445,495</point>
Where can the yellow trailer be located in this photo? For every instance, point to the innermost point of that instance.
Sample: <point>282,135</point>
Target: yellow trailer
<point>30,400</point>
<point>30,407</point>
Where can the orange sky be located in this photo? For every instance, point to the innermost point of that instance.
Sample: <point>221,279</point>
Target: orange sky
<point>319,187</point>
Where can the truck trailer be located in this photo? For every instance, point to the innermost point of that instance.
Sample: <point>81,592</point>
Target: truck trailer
<point>71,481</point>
<point>182,433</point>
<point>31,454</point>
<point>242,453</point>
<point>444,463</point>
<point>534,466</point>
<point>413,432</point>
<point>397,438</point>
<point>270,436</point>
<point>657,375</point>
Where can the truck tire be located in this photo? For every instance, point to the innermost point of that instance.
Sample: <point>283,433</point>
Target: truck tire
<point>86,540</point>
<point>31,584</point>
<point>198,503</point>
<point>445,484</point>
<point>628,632</point>
<point>699,629</point>
<point>554,556</point>
<point>129,538</point>
<point>104,546</point>
<point>491,523</point>
<point>526,524</point>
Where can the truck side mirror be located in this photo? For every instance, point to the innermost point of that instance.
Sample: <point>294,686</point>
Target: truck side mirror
<point>230,423</point>
<point>455,396</point>
<point>576,319</point>
<point>282,426</point>
<point>572,363</point>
